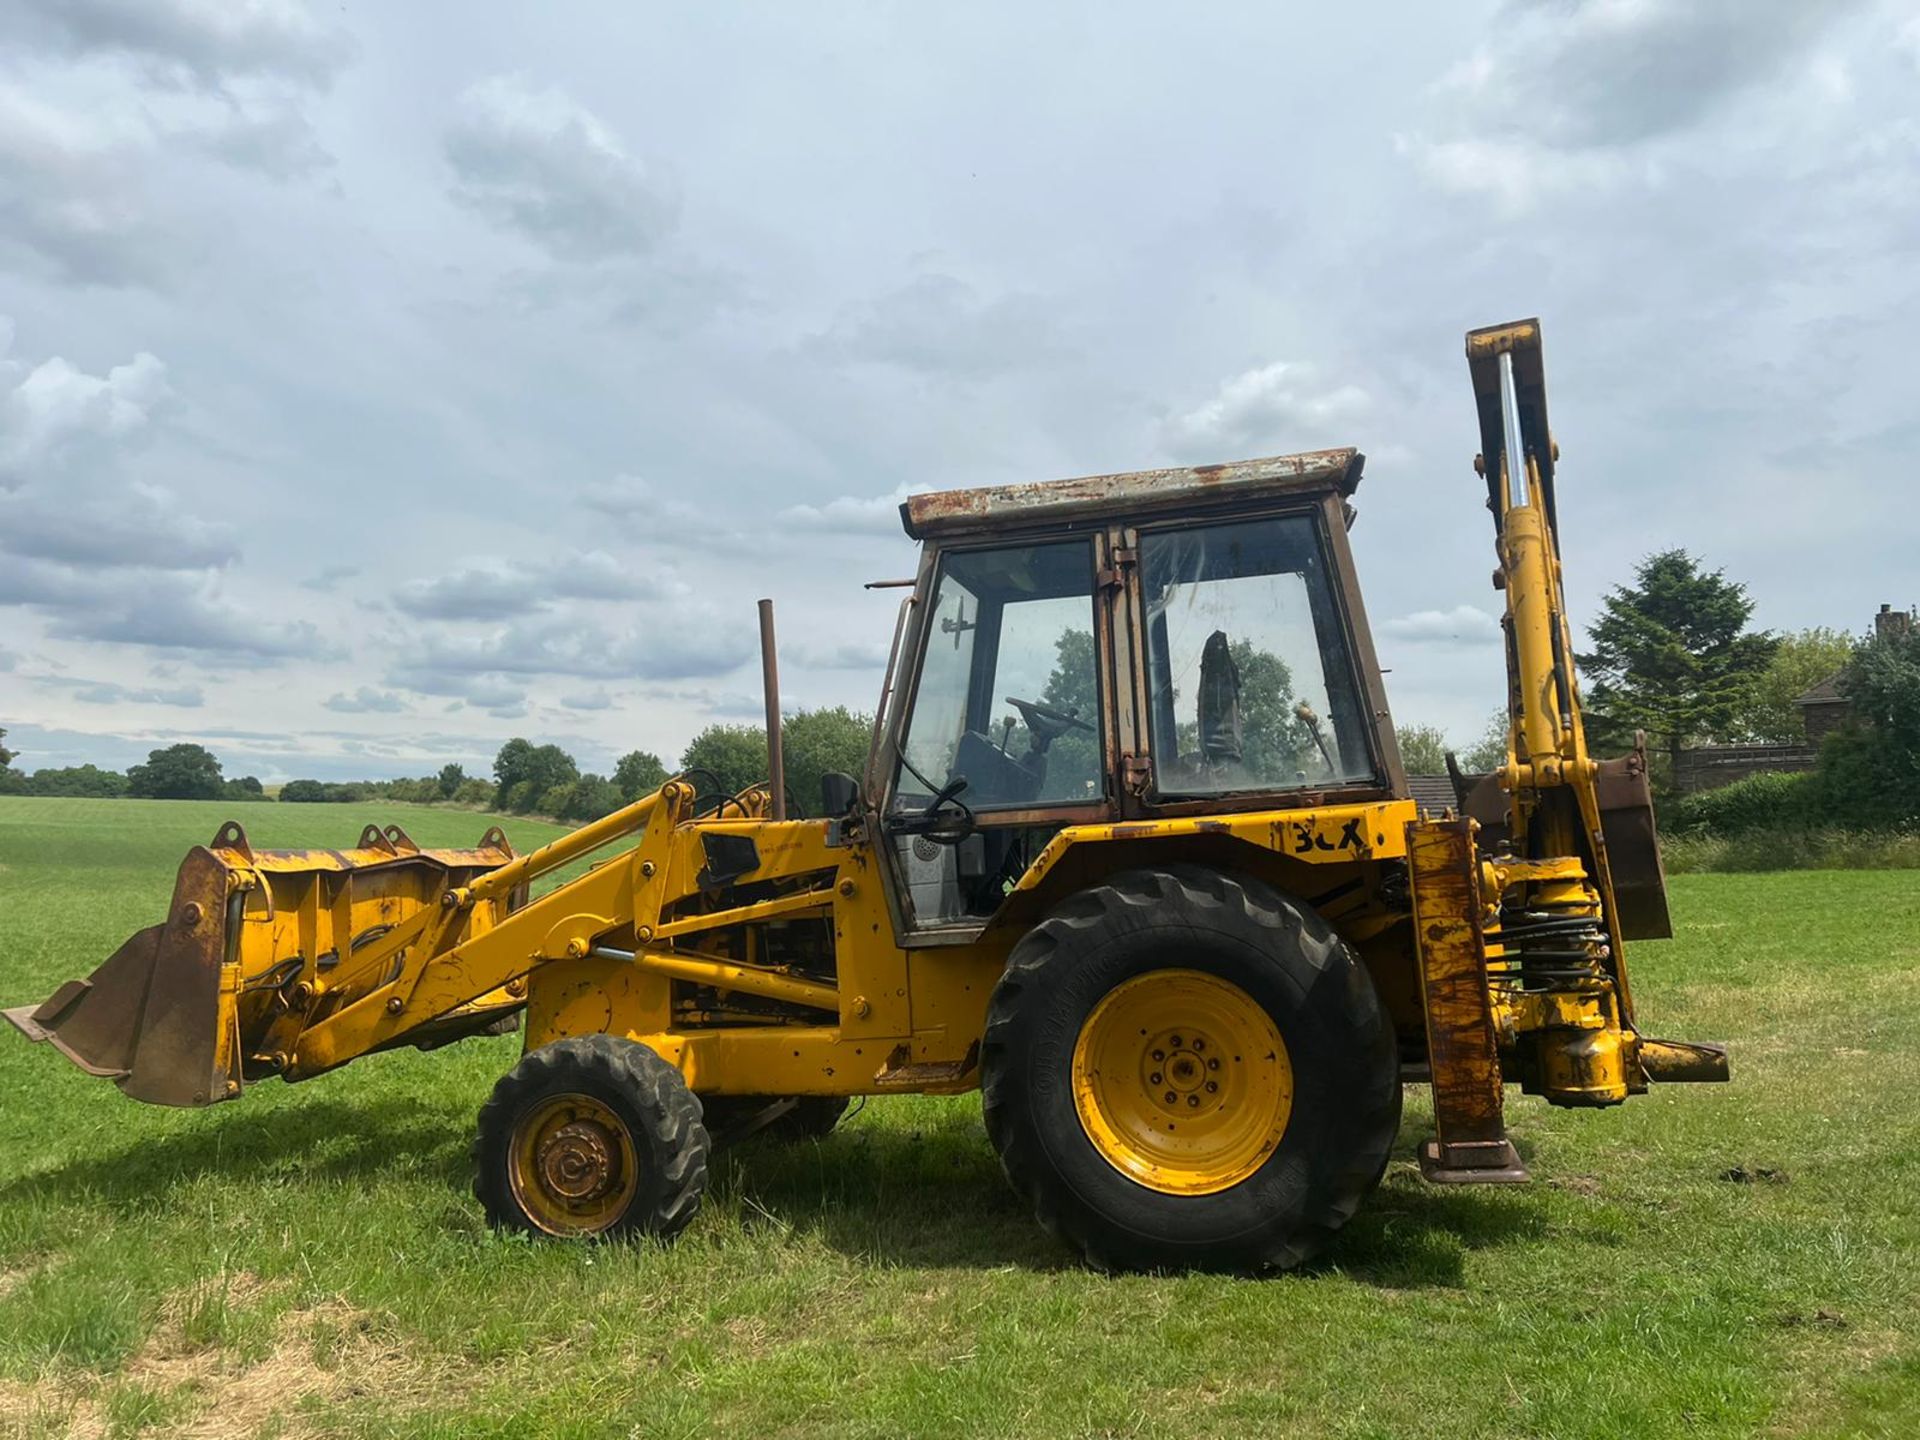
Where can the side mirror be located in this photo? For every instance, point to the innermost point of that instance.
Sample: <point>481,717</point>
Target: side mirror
<point>839,793</point>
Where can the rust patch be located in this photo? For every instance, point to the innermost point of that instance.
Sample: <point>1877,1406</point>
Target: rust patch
<point>1085,497</point>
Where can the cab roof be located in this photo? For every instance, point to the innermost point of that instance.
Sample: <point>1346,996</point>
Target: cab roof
<point>1140,492</point>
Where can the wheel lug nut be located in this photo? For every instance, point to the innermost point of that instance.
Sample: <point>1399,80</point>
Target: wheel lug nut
<point>1212,1086</point>
<point>1174,1041</point>
<point>1158,1056</point>
<point>1193,1101</point>
<point>1171,1097</point>
<point>1213,1064</point>
<point>1198,1043</point>
<point>1154,1079</point>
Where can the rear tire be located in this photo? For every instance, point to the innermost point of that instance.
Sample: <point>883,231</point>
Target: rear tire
<point>1260,1032</point>
<point>591,1137</point>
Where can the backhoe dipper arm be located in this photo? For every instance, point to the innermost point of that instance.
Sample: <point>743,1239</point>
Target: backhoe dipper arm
<point>1547,744</point>
<point>1553,785</point>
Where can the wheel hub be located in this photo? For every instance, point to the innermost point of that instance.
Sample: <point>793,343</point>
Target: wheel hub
<point>1182,1082</point>
<point>573,1165</point>
<point>577,1162</point>
<point>1182,1072</point>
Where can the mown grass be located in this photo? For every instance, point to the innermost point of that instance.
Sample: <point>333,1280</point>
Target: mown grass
<point>308,1261</point>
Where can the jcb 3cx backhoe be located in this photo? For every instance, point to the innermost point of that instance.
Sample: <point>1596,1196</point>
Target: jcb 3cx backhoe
<point>1134,854</point>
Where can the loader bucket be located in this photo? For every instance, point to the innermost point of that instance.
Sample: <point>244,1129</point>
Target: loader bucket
<point>255,944</point>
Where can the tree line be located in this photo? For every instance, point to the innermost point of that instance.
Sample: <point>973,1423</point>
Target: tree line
<point>177,772</point>
<point>722,759</point>
<point>527,779</point>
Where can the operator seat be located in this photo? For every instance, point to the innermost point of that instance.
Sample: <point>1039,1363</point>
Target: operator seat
<point>1219,704</point>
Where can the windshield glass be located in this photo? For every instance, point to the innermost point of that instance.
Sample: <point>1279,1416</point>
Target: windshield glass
<point>1250,683</point>
<point>1007,691</point>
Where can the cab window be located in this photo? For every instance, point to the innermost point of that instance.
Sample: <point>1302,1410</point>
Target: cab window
<point>1250,681</point>
<point>1007,691</point>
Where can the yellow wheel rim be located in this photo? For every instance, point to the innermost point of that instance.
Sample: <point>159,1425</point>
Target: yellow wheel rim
<point>1182,1082</point>
<point>572,1165</point>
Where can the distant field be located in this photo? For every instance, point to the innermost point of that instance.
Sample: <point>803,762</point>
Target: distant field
<point>308,1261</point>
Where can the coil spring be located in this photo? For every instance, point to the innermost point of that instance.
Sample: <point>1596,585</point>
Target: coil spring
<point>1545,948</point>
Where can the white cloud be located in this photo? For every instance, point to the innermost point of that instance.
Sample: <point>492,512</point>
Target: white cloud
<point>1517,172</point>
<point>1907,39</point>
<point>177,613</point>
<point>1274,409</point>
<point>1462,625</point>
<point>846,655</point>
<point>141,526</point>
<point>329,577</point>
<point>588,700</point>
<point>852,514</point>
<point>274,139</point>
<point>941,325</point>
<point>108,692</point>
<point>1613,72</point>
<point>634,498</point>
<point>489,589</point>
<point>209,41</point>
<point>54,409</point>
<point>669,643</point>
<point>367,700</point>
<point>534,162</point>
<point>106,558</point>
<point>1571,98</point>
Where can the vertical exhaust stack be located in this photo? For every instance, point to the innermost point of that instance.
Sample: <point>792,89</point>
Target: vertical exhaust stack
<point>770,679</point>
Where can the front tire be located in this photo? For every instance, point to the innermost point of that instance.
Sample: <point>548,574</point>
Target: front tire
<point>1185,1069</point>
<point>591,1137</point>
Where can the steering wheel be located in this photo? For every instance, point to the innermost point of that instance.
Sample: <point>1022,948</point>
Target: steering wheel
<point>1047,722</point>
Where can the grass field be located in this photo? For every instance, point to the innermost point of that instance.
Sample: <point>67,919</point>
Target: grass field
<point>1705,1261</point>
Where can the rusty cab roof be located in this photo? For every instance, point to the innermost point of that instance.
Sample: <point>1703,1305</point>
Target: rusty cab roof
<point>1193,489</point>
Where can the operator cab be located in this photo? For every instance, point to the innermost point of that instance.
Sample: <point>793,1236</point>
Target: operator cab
<point>1170,643</point>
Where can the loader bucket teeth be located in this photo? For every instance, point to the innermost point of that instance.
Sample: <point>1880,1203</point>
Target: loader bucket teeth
<point>187,1011</point>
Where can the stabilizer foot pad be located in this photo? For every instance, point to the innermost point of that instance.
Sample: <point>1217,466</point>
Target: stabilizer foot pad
<point>1474,1162</point>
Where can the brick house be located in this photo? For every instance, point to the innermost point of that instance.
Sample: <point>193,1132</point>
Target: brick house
<point>1823,709</point>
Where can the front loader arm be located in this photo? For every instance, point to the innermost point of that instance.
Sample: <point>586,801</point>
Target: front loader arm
<point>293,963</point>
<point>438,963</point>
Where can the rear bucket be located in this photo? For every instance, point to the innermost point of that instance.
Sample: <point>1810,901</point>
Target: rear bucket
<point>1626,825</point>
<point>189,1010</point>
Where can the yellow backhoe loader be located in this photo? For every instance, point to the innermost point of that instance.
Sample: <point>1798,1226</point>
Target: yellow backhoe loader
<point>1134,855</point>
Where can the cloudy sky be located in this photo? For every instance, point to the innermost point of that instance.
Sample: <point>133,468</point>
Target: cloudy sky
<point>379,382</point>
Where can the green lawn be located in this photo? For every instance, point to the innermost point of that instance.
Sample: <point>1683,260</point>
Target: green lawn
<point>308,1261</point>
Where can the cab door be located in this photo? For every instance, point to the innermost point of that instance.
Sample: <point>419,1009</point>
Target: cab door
<point>1003,733</point>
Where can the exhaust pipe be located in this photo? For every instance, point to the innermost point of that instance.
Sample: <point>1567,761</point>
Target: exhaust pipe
<point>770,681</point>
